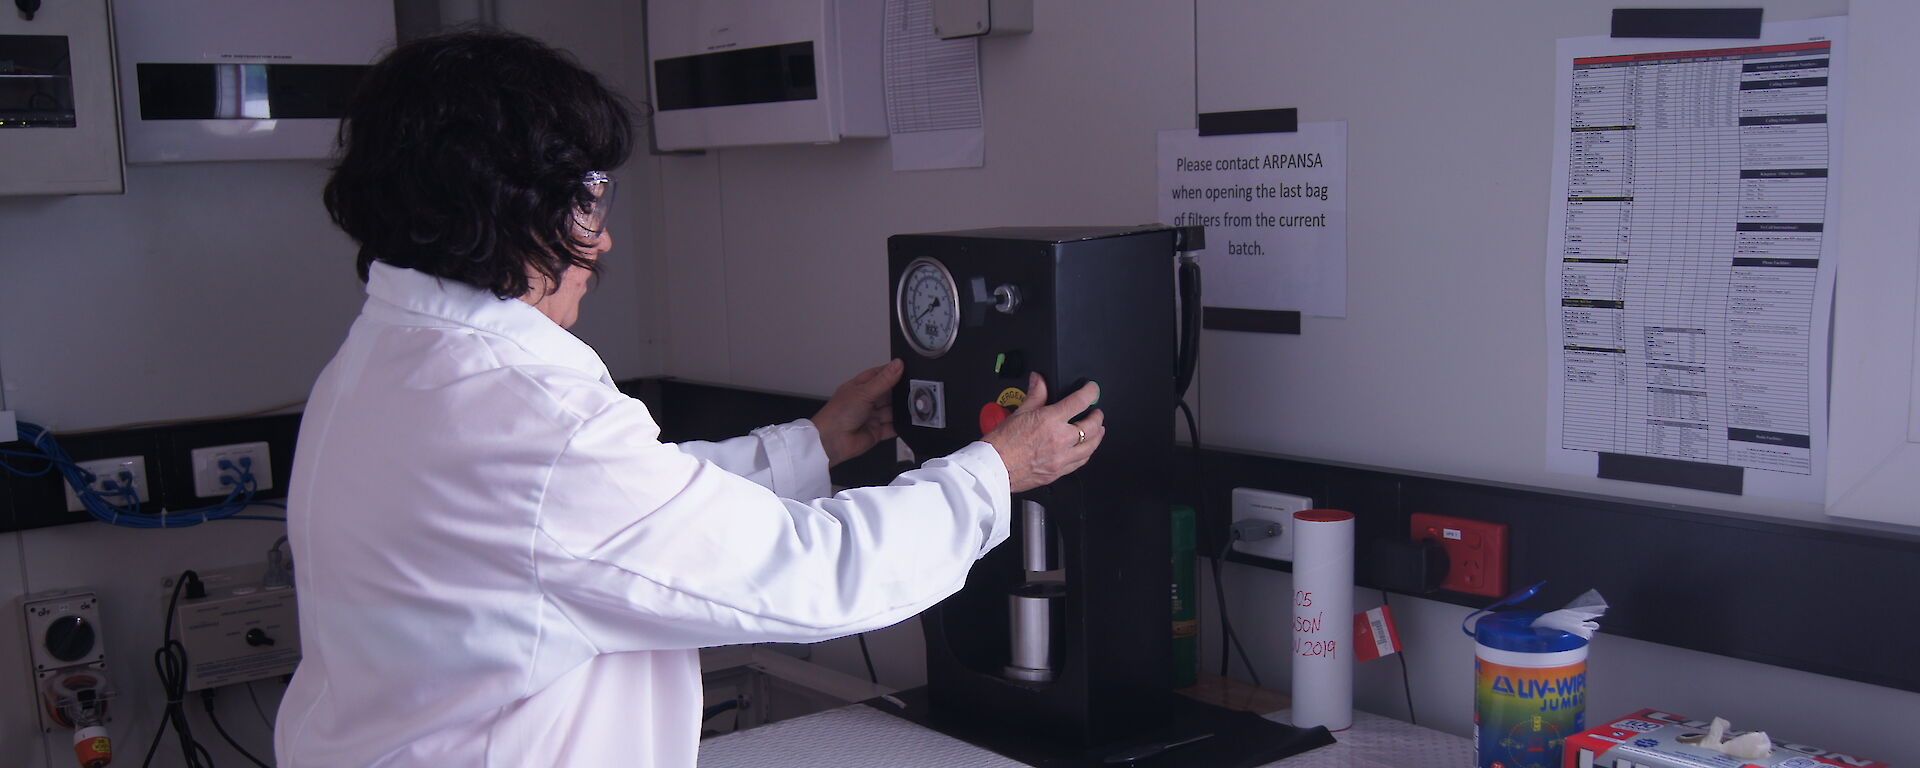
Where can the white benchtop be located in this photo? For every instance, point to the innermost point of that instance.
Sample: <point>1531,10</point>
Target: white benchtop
<point>863,737</point>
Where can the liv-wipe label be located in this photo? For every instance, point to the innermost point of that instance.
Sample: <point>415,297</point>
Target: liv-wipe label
<point>1524,715</point>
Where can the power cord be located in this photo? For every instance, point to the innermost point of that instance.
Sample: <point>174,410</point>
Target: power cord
<point>1406,680</point>
<point>868,657</point>
<point>118,500</point>
<point>1187,359</point>
<point>171,662</point>
<point>206,697</point>
<point>1229,639</point>
<point>257,709</point>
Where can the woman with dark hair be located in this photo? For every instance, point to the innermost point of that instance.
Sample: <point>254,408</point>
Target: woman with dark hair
<point>499,562</point>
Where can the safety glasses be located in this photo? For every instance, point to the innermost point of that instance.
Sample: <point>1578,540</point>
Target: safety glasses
<point>591,215</point>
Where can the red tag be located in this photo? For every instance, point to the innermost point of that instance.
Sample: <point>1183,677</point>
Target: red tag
<point>1374,634</point>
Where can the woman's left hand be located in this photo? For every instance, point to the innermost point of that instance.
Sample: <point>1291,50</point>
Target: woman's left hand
<point>859,414</point>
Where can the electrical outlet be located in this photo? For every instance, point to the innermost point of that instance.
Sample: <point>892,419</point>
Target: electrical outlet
<point>1476,552</point>
<point>109,471</point>
<point>207,470</point>
<point>1257,504</point>
<point>67,652</point>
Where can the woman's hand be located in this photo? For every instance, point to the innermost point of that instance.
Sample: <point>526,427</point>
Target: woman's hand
<point>1038,443</point>
<point>859,414</point>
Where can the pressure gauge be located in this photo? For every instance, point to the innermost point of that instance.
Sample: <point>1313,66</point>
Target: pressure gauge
<point>928,305</point>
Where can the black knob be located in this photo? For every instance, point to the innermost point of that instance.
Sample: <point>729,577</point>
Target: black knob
<point>257,638</point>
<point>69,638</point>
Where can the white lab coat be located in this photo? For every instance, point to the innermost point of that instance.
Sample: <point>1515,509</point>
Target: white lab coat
<point>499,564</point>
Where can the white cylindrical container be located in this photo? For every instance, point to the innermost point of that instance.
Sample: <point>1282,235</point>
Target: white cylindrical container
<point>1323,619</point>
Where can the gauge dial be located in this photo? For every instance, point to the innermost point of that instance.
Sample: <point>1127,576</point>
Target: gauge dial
<point>928,306</point>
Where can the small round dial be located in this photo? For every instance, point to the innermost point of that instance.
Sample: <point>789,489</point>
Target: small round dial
<point>928,306</point>
<point>69,638</point>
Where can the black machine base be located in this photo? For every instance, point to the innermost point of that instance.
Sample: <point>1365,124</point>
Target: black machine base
<point>1239,740</point>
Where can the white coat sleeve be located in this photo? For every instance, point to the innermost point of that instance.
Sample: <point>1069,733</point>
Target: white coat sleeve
<point>644,547</point>
<point>784,458</point>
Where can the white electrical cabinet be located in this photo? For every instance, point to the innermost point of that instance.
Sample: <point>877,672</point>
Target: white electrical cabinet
<point>729,73</point>
<point>58,131</point>
<point>242,79</point>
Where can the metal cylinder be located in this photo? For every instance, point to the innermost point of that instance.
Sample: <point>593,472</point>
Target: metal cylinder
<point>1034,533</point>
<point>1031,608</point>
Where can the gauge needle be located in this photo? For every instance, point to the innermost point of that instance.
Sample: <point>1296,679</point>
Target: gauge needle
<point>930,307</point>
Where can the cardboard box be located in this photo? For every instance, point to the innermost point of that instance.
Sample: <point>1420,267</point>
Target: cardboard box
<point>1654,739</point>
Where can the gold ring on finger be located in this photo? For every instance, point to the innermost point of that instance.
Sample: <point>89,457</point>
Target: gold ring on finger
<point>1083,436</point>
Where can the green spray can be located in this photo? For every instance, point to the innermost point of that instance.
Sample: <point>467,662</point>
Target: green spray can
<point>1186,609</point>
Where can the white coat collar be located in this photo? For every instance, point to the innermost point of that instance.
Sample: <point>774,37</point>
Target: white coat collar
<point>462,304</point>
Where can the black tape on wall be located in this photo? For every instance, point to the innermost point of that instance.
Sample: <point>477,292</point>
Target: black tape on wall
<point>1251,121</point>
<point>1726,23</point>
<point>1718,478</point>
<point>1250,320</point>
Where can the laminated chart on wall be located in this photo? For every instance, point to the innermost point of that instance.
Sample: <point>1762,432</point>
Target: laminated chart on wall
<point>1690,267</point>
<point>934,112</point>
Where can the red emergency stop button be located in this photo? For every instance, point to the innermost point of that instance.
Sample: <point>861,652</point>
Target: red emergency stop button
<point>991,415</point>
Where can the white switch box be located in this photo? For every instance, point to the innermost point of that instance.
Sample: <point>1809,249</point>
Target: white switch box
<point>9,427</point>
<point>1257,504</point>
<point>241,631</point>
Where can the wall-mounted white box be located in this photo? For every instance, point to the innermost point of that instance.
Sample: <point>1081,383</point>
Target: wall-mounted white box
<point>728,73</point>
<point>241,631</point>
<point>241,79</point>
<point>59,132</point>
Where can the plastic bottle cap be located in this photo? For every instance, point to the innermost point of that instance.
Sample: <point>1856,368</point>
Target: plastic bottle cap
<point>1514,631</point>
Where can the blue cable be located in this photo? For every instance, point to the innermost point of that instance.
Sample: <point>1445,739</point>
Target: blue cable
<point>102,506</point>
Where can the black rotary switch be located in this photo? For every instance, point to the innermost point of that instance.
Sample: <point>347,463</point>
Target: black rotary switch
<point>69,638</point>
<point>257,638</point>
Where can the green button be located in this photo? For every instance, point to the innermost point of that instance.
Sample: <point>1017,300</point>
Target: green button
<point>999,361</point>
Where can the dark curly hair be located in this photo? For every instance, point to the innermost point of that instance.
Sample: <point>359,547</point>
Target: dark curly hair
<point>462,156</point>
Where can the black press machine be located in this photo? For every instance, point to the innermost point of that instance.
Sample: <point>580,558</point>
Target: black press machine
<point>1058,651</point>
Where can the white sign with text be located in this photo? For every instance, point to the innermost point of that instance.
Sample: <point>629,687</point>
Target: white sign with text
<point>1275,209</point>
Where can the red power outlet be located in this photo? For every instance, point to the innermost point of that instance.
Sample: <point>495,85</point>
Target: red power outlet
<point>1476,549</point>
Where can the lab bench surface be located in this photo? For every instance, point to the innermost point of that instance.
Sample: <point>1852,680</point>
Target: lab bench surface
<point>863,737</point>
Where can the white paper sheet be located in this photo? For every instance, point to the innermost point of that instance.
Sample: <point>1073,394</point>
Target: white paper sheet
<point>1690,271</point>
<point>1275,209</point>
<point>933,93</point>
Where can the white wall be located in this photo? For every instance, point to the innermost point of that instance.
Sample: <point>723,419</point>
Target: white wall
<point>1876,328</point>
<point>1449,110</point>
<point>210,289</point>
<point>777,280</point>
<point>777,255</point>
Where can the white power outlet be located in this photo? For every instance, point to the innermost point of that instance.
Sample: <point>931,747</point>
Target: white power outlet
<point>207,470</point>
<point>1256,504</point>
<point>109,471</point>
